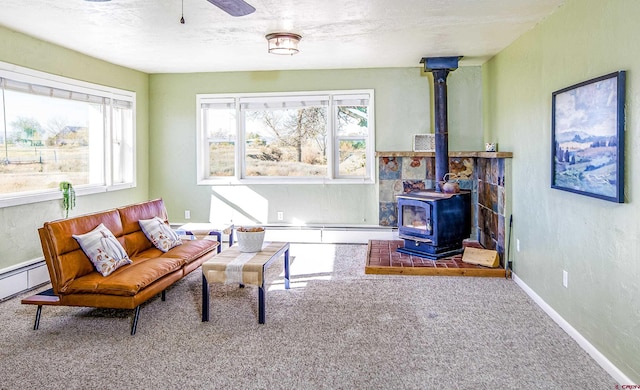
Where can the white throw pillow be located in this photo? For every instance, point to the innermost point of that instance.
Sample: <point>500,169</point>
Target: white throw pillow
<point>103,249</point>
<point>159,233</point>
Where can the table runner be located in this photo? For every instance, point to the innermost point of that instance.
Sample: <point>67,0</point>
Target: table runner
<point>233,271</point>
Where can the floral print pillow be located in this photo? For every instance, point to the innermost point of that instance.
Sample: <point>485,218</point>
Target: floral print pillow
<point>103,249</point>
<point>159,233</point>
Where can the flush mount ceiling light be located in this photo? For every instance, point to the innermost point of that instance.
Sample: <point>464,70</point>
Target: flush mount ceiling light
<point>283,43</point>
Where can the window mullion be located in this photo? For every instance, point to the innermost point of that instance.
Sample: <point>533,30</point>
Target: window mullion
<point>5,159</point>
<point>108,142</point>
<point>332,163</point>
<point>240,144</point>
<point>205,157</point>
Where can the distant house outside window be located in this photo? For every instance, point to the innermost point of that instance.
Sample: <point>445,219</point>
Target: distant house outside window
<point>55,129</point>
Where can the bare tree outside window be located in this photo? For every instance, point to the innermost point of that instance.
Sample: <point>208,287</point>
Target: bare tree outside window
<point>287,142</point>
<point>310,137</point>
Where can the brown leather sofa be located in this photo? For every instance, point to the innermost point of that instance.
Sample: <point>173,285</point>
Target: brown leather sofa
<point>75,281</point>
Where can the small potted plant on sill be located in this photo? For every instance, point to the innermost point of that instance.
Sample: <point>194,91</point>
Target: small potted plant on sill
<point>68,197</point>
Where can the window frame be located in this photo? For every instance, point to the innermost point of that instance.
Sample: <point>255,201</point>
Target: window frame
<point>333,153</point>
<point>27,75</point>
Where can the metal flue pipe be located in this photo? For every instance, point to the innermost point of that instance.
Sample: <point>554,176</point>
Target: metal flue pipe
<point>440,68</point>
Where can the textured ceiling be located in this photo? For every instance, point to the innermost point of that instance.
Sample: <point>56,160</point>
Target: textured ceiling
<point>147,34</point>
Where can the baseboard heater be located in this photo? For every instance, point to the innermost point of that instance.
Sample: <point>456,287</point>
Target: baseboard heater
<point>22,277</point>
<point>330,234</point>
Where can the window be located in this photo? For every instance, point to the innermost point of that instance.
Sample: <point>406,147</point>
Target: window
<point>56,129</point>
<point>313,137</point>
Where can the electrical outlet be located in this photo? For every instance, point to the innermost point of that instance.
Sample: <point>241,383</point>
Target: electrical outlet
<point>517,244</point>
<point>187,214</point>
<point>280,216</point>
<point>565,278</point>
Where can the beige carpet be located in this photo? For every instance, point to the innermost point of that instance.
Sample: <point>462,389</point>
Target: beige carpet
<point>336,328</point>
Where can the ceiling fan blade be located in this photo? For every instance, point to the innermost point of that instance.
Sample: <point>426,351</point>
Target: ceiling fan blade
<point>233,7</point>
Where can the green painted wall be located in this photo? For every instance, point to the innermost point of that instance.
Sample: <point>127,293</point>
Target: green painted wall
<point>19,240</point>
<point>596,242</point>
<point>403,108</point>
<point>166,121</point>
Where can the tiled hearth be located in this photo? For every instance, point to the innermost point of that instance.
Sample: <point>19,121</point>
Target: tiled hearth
<point>382,258</point>
<point>485,174</point>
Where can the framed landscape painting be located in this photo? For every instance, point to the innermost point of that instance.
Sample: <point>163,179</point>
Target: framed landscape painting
<point>587,132</point>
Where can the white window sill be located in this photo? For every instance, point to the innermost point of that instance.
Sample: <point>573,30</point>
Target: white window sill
<point>43,196</point>
<point>280,181</point>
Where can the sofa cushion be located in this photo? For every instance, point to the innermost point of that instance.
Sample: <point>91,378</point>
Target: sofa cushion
<point>127,281</point>
<point>103,249</point>
<point>159,233</point>
<point>136,243</point>
<point>150,253</point>
<point>60,232</point>
<point>130,215</point>
<point>192,250</point>
<point>76,264</point>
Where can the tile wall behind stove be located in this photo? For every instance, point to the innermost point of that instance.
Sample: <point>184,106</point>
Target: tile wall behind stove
<point>491,203</point>
<point>485,177</point>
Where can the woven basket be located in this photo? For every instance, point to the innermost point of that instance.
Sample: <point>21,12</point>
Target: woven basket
<point>250,241</point>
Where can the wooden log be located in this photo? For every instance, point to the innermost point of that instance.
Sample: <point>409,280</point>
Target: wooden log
<point>485,257</point>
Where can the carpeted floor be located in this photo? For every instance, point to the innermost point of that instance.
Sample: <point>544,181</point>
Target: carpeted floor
<point>336,328</point>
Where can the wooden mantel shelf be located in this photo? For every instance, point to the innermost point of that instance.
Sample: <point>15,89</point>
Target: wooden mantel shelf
<point>451,154</point>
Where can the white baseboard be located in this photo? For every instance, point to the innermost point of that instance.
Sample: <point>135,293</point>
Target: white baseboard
<point>605,363</point>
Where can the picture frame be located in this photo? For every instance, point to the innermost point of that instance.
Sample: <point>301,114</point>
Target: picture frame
<point>587,138</point>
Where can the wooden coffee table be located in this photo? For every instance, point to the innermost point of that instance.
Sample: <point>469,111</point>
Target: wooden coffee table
<point>234,267</point>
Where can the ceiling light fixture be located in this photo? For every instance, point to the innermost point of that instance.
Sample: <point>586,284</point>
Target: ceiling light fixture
<point>283,43</point>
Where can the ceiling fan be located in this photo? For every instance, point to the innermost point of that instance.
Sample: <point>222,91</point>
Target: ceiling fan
<point>233,7</point>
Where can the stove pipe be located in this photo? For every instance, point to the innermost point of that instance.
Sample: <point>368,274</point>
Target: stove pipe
<point>440,68</point>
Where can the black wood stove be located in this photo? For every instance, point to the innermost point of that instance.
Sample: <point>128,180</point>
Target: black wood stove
<point>433,223</point>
